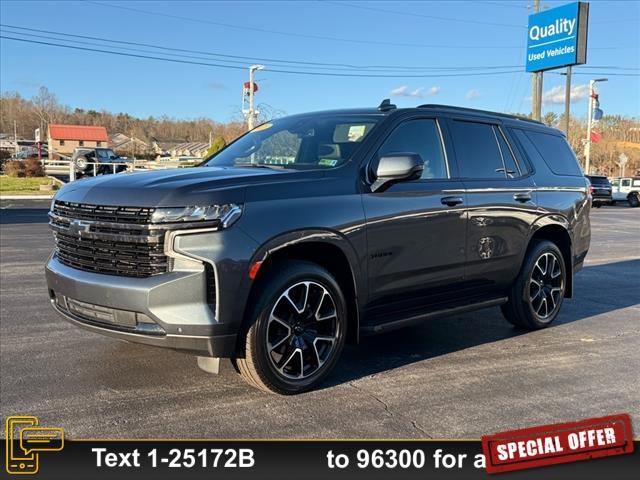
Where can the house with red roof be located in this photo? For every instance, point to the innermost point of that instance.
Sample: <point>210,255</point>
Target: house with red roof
<point>63,139</point>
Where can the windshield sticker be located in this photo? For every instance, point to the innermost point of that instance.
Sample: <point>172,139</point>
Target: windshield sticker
<point>264,126</point>
<point>327,162</point>
<point>356,132</point>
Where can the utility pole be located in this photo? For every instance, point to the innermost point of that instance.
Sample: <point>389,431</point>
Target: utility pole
<point>567,101</point>
<point>252,114</point>
<point>587,145</point>
<point>536,82</point>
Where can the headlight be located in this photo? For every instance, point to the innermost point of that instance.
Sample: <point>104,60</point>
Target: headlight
<point>227,214</point>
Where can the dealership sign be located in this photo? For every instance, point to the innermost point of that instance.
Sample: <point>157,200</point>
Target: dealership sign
<point>557,37</point>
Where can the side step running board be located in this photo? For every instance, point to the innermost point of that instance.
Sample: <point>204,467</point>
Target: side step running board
<point>415,319</point>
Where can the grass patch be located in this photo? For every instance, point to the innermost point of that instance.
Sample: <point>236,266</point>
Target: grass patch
<point>25,185</point>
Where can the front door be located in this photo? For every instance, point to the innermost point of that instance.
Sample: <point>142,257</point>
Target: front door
<point>415,229</point>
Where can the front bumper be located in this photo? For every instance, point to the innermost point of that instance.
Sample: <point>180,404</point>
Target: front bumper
<point>168,310</point>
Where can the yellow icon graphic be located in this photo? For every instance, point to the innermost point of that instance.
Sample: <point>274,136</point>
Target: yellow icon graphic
<point>25,440</point>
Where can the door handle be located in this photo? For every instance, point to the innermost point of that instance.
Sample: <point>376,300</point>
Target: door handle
<point>451,201</point>
<point>522,197</point>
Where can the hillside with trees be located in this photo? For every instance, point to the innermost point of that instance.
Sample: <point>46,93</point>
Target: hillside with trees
<point>44,108</point>
<point>619,134</point>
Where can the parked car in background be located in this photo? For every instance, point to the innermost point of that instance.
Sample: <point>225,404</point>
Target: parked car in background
<point>31,152</point>
<point>314,229</point>
<point>626,189</point>
<point>600,190</point>
<point>97,161</point>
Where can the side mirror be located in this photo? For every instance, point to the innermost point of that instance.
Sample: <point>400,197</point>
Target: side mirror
<point>397,167</point>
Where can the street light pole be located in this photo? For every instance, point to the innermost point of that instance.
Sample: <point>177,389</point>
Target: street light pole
<point>251,119</point>
<point>587,153</point>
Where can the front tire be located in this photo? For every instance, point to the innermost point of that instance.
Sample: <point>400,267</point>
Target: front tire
<point>538,292</point>
<point>634,200</point>
<point>297,329</point>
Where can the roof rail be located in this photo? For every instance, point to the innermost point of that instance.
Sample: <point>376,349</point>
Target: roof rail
<point>475,110</point>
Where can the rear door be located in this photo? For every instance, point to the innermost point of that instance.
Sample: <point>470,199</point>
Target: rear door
<point>501,201</point>
<point>415,229</point>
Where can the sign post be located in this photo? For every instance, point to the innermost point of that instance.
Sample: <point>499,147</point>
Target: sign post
<point>38,143</point>
<point>622,161</point>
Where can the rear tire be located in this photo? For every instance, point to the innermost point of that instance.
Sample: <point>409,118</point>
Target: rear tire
<point>634,200</point>
<point>536,295</point>
<point>297,329</point>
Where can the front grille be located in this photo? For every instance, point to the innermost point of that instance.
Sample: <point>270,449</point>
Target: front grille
<point>109,240</point>
<point>103,213</point>
<point>114,258</point>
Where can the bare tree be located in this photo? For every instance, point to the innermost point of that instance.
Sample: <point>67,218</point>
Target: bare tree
<point>46,106</point>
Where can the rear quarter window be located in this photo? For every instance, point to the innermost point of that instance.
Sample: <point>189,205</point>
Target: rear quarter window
<point>552,149</point>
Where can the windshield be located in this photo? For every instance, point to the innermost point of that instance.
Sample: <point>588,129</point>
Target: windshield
<point>106,154</point>
<point>599,181</point>
<point>300,142</point>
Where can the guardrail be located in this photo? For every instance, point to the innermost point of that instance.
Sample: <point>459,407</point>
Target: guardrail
<point>66,167</point>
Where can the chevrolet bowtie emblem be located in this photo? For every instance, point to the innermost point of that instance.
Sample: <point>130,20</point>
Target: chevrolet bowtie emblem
<point>79,227</point>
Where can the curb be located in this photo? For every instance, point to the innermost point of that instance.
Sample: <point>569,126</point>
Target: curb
<point>26,197</point>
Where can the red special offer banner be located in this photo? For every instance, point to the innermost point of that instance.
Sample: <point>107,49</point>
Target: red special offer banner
<point>558,443</point>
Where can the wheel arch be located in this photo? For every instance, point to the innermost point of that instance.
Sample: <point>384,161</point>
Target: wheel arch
<point>557,231</point>
<point>326,248</point>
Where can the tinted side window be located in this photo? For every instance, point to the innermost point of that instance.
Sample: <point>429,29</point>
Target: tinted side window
<point>421,137</point>
<point>477,150</point>
<point>556,153</point>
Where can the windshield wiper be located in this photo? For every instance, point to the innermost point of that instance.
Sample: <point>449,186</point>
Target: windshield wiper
<point>260,165</point>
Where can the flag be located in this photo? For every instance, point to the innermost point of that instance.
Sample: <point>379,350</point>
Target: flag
<point>595,136</point>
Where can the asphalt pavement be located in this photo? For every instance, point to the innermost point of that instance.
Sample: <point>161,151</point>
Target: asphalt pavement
<point>456,377</point>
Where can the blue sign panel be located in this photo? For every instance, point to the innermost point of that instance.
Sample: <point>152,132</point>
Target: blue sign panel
<point>557,37</point>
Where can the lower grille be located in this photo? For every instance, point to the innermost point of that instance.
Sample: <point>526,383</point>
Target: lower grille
<point>105,317</point>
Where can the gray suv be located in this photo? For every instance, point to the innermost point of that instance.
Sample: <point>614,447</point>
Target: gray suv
<point>315,229</point>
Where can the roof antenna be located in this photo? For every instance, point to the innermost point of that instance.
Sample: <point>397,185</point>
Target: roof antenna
<point>386,105</point>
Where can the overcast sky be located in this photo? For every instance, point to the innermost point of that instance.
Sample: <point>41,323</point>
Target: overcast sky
<point>390,38</point>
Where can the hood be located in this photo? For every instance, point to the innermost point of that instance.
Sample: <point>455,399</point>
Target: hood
<point>170,188</point>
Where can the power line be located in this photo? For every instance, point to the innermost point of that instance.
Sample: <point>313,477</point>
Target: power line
<point>244,63</point>
<point>420,15</point>
<point>601,73</point>
<point>293,72</point>
<point>248,59</point>
<point>318,37</point>
<point>512,4</point>
<point>306,65</point>
<point>293,34</point>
